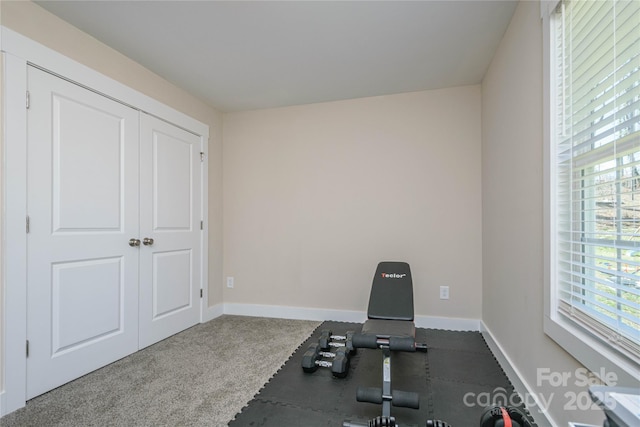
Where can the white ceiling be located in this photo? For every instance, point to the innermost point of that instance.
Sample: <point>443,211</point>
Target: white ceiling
<point>243,55</point>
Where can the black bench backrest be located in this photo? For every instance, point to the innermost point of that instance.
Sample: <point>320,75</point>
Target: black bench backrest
<point>391,292</point>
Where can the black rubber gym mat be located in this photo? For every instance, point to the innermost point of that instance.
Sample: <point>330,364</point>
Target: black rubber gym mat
<point>453,378</point>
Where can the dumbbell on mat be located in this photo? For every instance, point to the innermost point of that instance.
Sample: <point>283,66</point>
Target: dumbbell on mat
<point>327,340</point>
<point>437,423</point>
<point>312,360</point>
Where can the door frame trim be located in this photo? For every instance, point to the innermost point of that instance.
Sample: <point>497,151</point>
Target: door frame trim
<point>18,53</point>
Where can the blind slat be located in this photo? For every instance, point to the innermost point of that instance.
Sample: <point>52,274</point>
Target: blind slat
<point>598,169</point>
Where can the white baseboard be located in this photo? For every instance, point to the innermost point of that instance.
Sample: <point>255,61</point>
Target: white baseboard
<point>539,413</point>
<point>321,314</point>
<point>212,312</point>
<point>448,323</point>
<point>301,313</point>
<point>3,404</point>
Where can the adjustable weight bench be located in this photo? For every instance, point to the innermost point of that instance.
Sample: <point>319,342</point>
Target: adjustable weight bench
<point>389,327</point>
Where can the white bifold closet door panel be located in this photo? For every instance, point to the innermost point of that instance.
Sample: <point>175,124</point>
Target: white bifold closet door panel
<point>103,177</point>
<point>170,212</point>
<point>82,286</point>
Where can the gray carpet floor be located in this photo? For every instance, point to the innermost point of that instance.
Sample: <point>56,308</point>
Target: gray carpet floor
<point>200,377</point>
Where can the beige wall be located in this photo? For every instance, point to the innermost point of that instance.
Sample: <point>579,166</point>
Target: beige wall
<point>316,195</point>
<point>34,22</point>
<point>512,212</point>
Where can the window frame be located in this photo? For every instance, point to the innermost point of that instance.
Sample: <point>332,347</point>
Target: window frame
<point>592,352</point>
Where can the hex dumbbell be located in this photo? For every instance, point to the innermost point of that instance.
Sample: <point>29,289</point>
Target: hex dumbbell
<point>312,360</point>
<point>328,340</point>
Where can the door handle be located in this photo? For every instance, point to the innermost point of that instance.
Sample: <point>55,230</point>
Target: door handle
<point>134,243</point>
<point>147,241</point>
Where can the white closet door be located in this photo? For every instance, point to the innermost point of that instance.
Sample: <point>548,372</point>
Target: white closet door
<point>170,209</point>
<point>83,206</point>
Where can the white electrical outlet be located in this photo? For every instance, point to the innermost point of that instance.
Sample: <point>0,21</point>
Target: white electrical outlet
<point>444,292</point>
<point>229,282</point>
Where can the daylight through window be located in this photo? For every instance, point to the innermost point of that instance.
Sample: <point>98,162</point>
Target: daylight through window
<point>597,180</point>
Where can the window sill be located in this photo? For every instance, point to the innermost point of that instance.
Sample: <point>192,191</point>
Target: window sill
<point>591,352</point>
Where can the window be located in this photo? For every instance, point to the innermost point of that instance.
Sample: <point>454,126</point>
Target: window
<point>595,170</point>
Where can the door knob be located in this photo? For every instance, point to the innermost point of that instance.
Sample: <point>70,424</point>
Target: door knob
<point>147,241</point>
<point>134,243</point>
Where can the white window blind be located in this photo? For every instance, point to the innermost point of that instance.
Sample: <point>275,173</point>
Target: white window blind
<point>597,184</point>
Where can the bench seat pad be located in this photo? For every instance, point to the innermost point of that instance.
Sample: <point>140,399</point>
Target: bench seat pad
<point>389,328</point>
